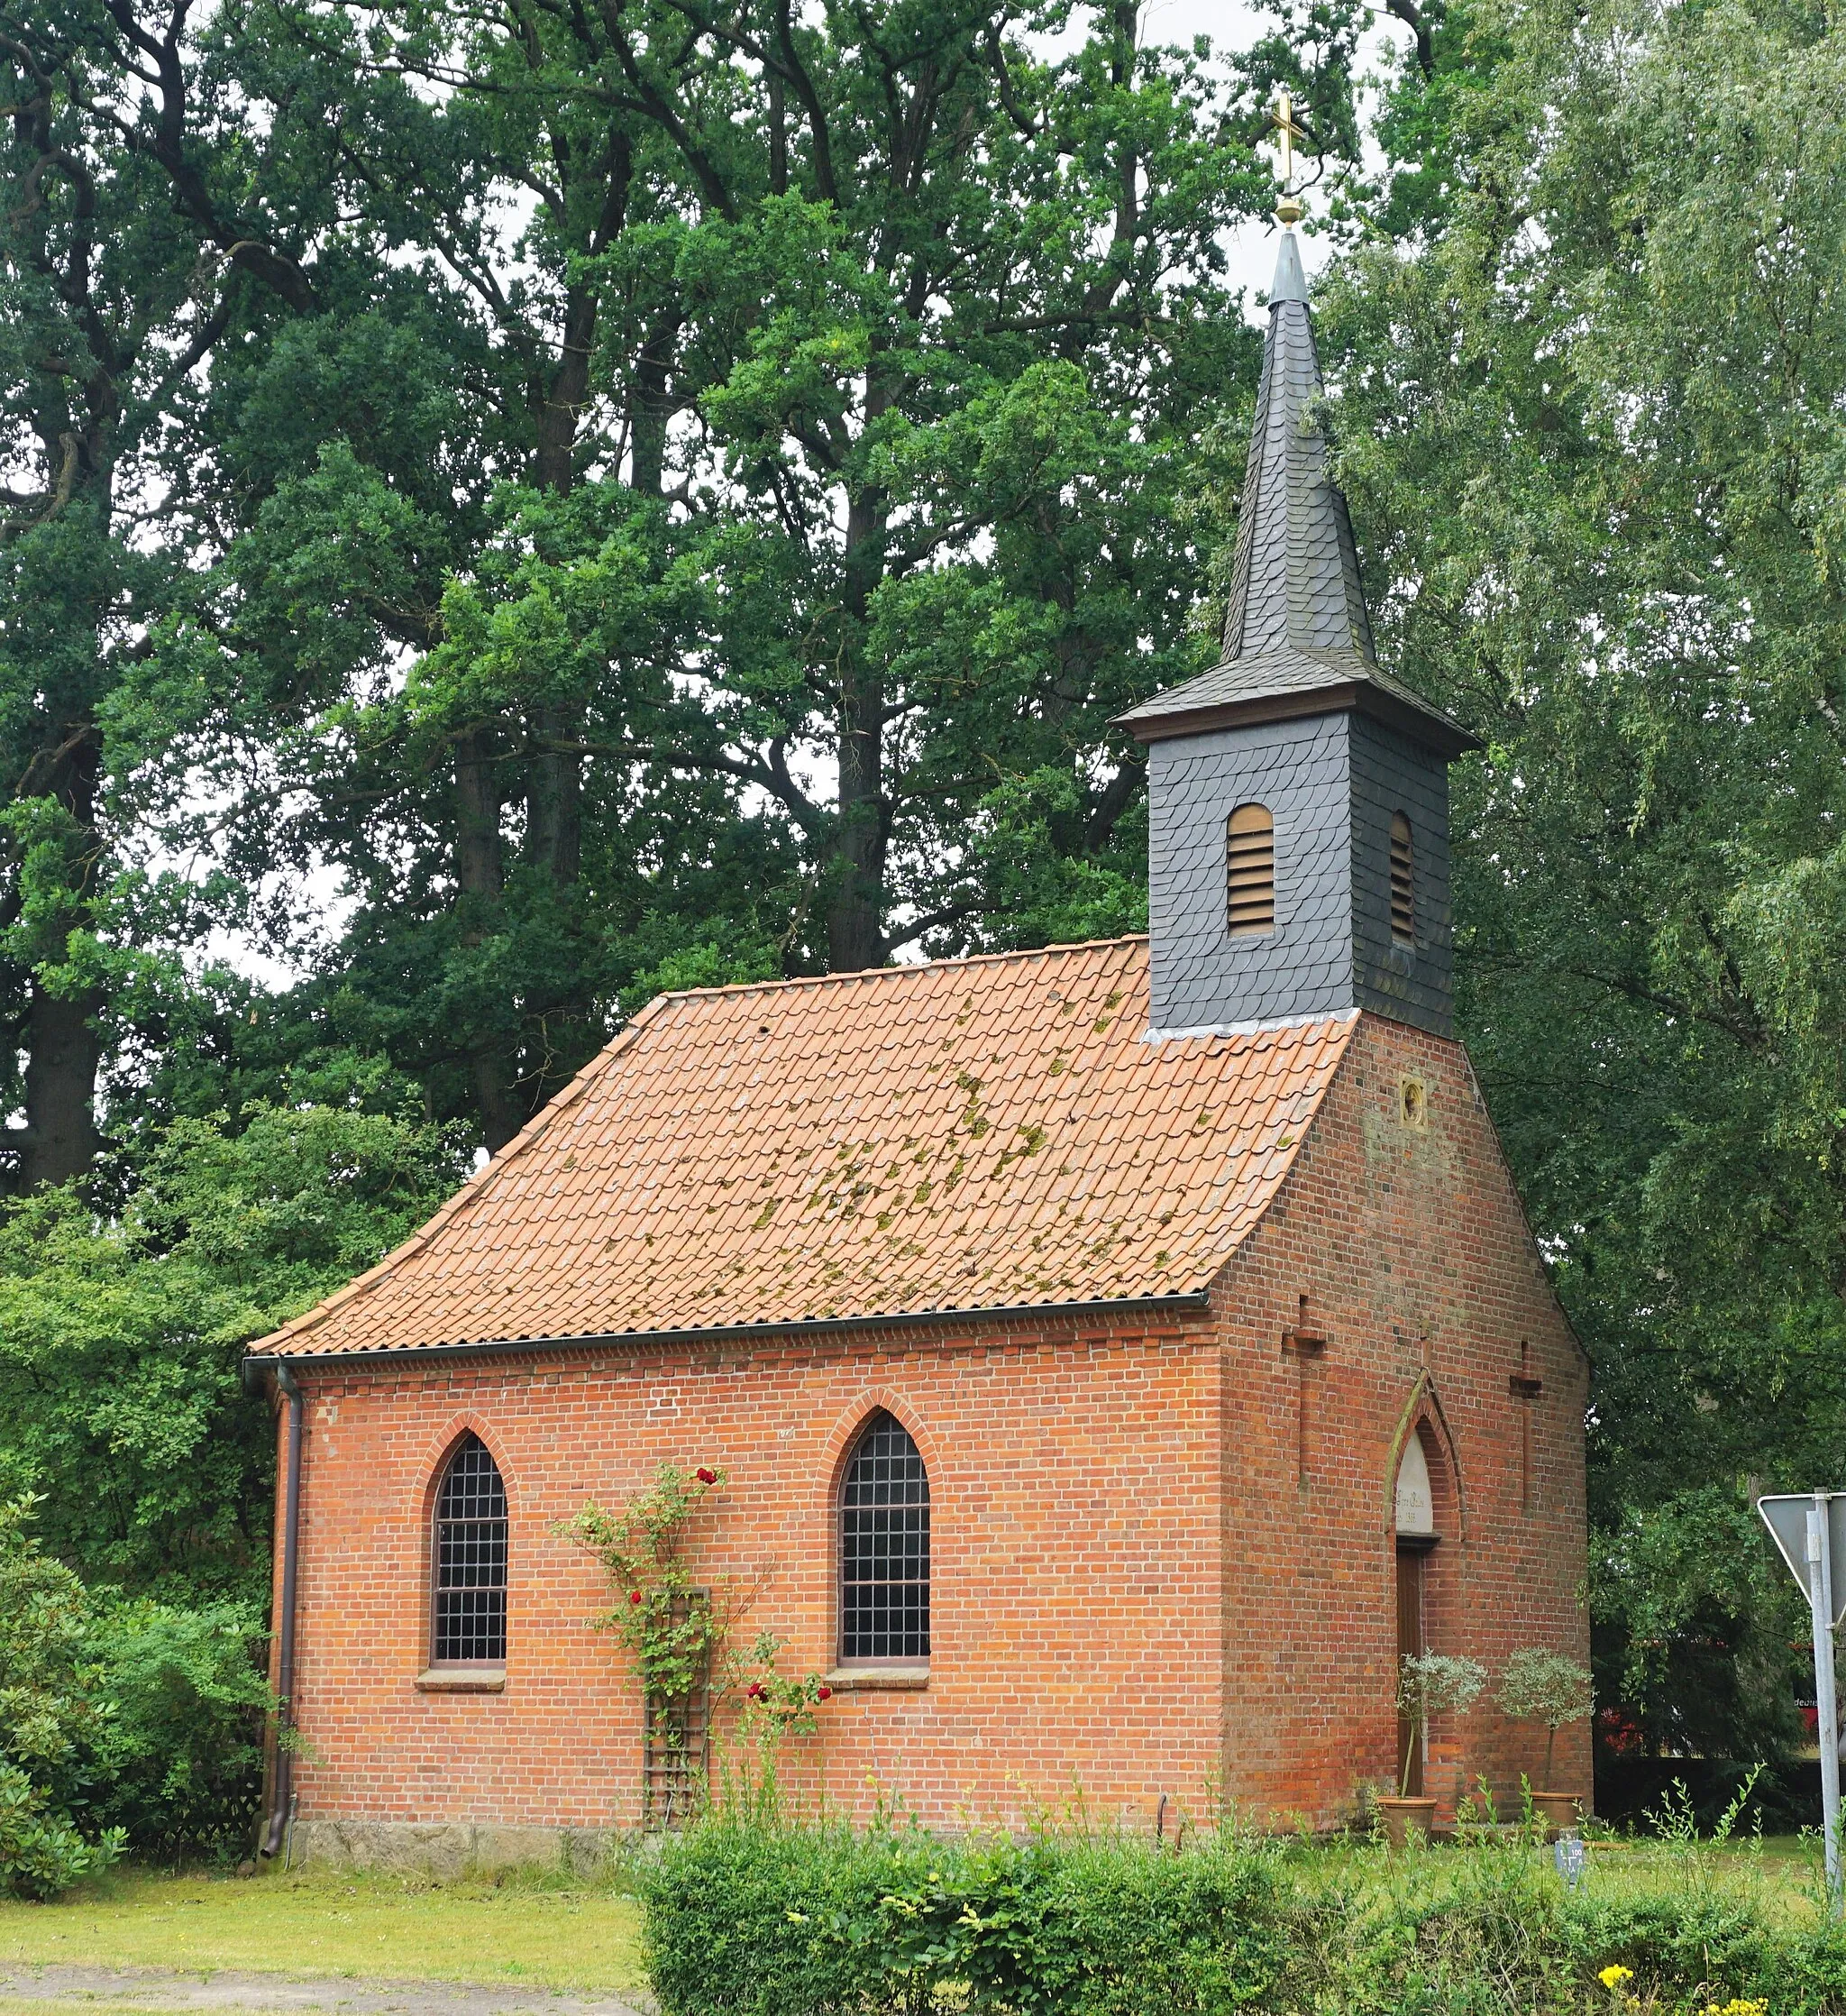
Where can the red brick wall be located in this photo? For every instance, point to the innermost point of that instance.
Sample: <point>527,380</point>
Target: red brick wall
<point>1411,1247</point>
<point>1135,1593</point>
<point>1075,1570</point>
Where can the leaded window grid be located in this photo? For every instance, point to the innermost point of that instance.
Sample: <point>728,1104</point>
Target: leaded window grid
<point>468,1561</point>
<point>884,1549</point>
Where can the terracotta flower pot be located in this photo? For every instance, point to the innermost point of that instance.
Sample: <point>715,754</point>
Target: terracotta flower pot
<point>1404,1816</point>
<point>1557,1810</point>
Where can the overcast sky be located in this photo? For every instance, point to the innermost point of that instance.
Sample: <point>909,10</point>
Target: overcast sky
<point>1232,25</point>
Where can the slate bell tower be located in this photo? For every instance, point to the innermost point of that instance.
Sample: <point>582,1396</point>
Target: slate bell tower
<point>1298,795</point>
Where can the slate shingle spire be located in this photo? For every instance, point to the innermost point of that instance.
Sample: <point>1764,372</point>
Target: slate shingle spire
<point>1297,636</point>
<point>1296,579</point>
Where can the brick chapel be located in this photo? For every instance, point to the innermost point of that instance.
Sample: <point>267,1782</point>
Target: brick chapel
<point>1120,1355</point>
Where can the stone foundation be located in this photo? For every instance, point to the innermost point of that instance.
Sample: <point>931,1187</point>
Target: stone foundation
<point>448,1850</point>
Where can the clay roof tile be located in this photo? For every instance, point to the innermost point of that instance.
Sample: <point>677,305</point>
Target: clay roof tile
<point>982,1132</point>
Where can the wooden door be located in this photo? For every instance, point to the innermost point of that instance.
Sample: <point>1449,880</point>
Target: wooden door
<point>1409,1645</point>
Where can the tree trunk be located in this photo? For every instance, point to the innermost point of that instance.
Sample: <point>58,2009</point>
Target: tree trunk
<point>854,929</point>
<point>553,461</point>
<point>59,1139</point>
<point>64,1047</point>
<point>555,799</point>
<point>651,408</point>
<point>554,793</point>
<point>554,776</point>
<point>855,902</point>
<point>480,872</point>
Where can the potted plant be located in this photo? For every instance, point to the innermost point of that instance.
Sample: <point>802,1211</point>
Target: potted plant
<point>1429,1684</point>
<point>1547,1687</point>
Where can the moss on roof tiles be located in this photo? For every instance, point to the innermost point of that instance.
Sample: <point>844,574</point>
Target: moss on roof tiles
<point>887,1167</point>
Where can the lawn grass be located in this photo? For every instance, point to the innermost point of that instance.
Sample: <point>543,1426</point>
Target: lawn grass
<point>321,1923</point>
<point>15,2007</point>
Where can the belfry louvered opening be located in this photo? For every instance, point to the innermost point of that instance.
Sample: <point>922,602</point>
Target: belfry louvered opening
<point>884,1549</point>
<point>1250,847</point>
<point>1404,901</point>
<point>468,1606</point>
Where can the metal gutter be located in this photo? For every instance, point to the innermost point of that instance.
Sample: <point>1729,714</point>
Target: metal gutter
<point>1193,1300</point>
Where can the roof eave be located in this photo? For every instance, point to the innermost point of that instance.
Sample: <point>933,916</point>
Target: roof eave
<point>1184,1302</point>
<point>1438,730</point>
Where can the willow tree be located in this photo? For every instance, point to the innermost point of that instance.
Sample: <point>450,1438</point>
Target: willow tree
<point>1594,420</point>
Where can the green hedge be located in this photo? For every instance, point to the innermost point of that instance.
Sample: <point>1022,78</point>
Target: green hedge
<point>791,1920</point>
<point>805,1921</point>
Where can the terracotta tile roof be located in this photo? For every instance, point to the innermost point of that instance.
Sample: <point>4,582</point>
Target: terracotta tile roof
<point>978,1133</point>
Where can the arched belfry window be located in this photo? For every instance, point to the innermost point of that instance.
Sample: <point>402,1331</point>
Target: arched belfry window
<point>468,1599</point>
<point>1403,890</point>
<point>1249,856</point>
<point>884,1549</point>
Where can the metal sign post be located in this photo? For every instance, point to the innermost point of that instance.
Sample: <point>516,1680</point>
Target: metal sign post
<point>1808,1529</point>
<point>1819,1562</point>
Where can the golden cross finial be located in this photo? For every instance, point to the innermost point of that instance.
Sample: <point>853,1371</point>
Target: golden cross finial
<point>1289,210</point>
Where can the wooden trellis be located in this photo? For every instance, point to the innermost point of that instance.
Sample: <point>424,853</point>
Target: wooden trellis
<point>676,1748</point>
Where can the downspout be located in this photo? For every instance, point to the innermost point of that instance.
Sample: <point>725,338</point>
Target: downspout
<point>285,1624</point>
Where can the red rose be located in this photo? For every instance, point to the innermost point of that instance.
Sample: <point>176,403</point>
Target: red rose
<point>706,1476</point>
<point>634,1595</point>
<point>824,1694</point>
<point>754,1692</point>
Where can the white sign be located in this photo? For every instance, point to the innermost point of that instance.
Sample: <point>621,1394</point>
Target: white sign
<point>1416,1504</point>
<point>1786,1518</point>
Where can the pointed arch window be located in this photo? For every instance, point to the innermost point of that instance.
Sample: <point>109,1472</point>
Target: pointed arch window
<point>884,1549</point>
<point>1249,854</point>
<point>468,1597</point>
<point>1403,893</point>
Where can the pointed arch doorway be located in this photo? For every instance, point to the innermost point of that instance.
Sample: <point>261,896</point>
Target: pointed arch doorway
<point>1414,1511</point>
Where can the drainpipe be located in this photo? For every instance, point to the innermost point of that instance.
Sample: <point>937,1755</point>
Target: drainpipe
<point>291,1548</point>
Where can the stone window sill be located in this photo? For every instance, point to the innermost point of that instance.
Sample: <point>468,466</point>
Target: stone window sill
<point>462,1680</point>
<point>890,1679</point>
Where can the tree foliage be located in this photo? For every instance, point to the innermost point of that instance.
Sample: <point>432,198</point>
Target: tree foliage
<point>120,1335</point>
<point>735,548</point>
<point>51,1712</point>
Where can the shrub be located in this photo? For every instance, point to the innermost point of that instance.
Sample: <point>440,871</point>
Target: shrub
<point>40,1852</point>
<point>48,1701</point>
<point>746,1919</point>
<point>137,1723</point>
<point>1117,1928</point>
<point>764,1918</point>
<point>50,1712</point>
<point>1547,1687</point>
<point>1429,1684</point>
<point>785,1921</point>
<point>178,1763</point>
<point>1490,1931</point>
